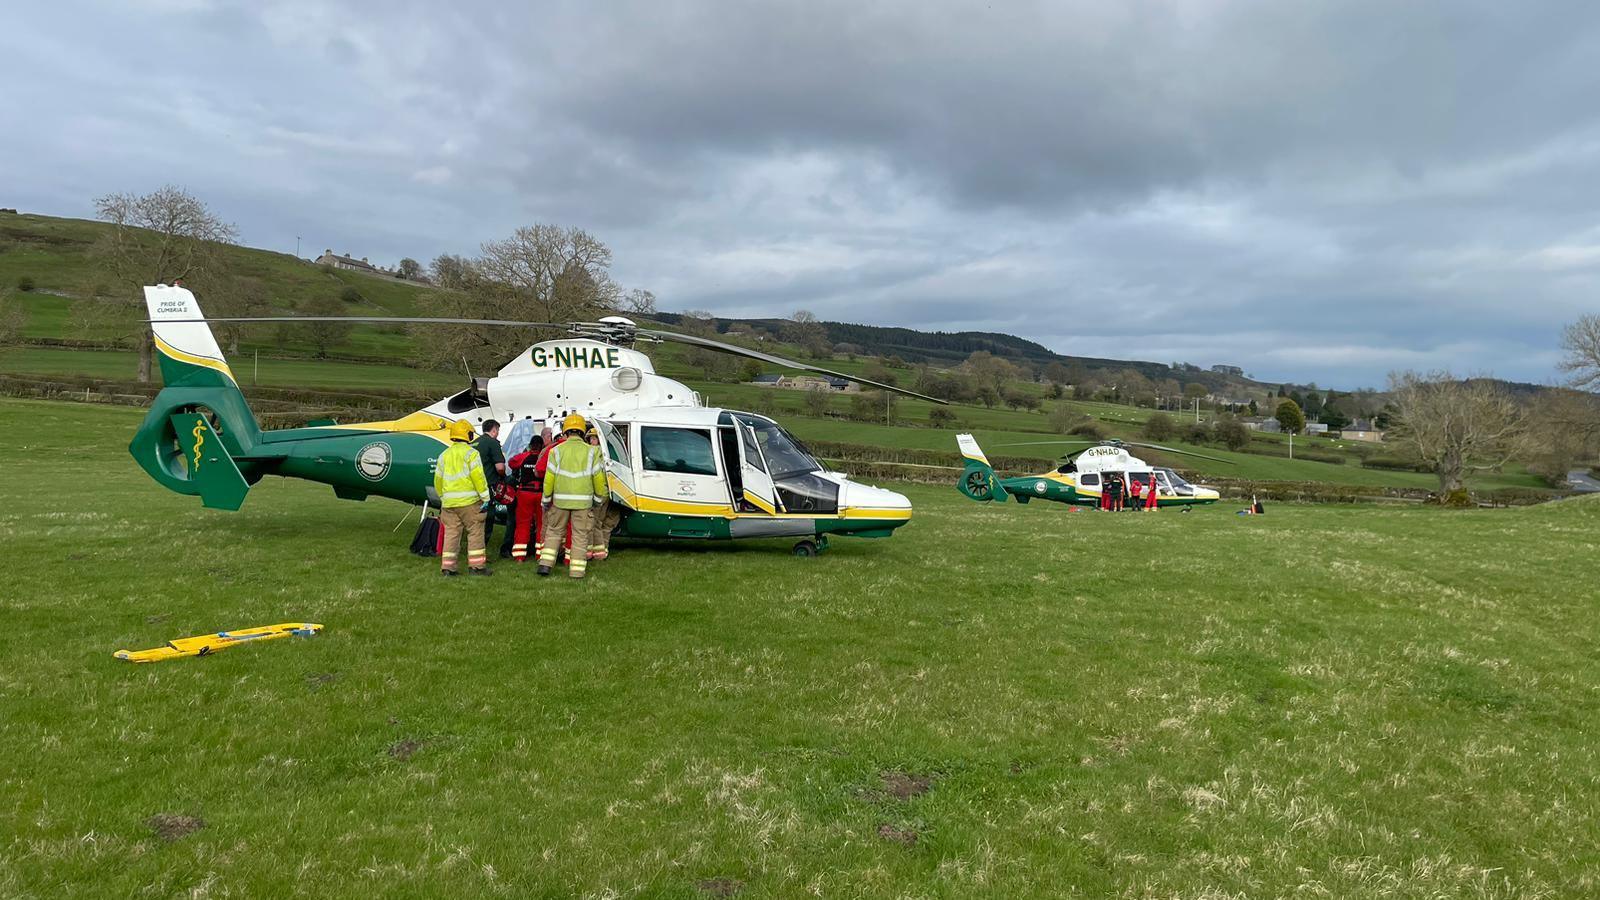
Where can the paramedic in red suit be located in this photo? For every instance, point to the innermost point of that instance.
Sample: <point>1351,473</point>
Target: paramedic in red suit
<point>524,475</point>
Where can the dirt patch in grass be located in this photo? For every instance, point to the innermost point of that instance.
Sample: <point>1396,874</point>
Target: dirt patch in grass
<point>721,886</point>
<point>404,750</point>
<point>905,785</point>
<point>905,837</point>
<point>171,826</point>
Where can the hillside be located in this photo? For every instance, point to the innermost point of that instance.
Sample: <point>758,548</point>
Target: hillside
<point>71,347</point>
<point>54,254</point>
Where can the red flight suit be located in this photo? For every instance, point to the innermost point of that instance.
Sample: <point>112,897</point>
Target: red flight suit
<point>530,506</point>
<point>544,463</point>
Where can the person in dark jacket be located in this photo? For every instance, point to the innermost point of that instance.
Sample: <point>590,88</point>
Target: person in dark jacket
<point>494,470</point>
<point>1115,488</point>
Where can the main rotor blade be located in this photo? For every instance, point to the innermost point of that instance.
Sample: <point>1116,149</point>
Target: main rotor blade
<point>1038,443</point>
<point>1181,452</point>
<point>779,361</point>
<point>394,320</point>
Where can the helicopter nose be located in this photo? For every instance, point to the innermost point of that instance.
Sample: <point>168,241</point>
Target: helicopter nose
<point>858,496</point>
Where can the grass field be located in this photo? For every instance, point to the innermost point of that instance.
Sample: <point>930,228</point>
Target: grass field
<point>1000,701</point>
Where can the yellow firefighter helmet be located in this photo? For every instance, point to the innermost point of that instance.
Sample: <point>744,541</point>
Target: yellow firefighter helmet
<point>574,422</point>
<point>461,430</point>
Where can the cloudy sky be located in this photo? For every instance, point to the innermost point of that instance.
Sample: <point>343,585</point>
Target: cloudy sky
<point>1311,190</point>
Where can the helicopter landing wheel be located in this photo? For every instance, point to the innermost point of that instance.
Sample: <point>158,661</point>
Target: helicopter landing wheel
<point>810,548</point>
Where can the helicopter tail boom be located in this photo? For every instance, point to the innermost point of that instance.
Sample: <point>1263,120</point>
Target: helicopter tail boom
<point>978,480</point>
<point>199,433</point>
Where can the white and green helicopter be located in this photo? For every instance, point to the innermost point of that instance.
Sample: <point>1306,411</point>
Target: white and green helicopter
<point>677,468</point>
<point>1081,481</point>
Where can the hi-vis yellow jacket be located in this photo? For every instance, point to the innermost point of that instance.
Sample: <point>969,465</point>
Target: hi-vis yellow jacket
<point>458,476</point>
<point>575,475</point>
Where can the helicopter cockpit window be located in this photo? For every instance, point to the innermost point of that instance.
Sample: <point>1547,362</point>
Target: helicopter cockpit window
<point>1175,482</point>
<point>683,451</point>
<point>785,457</point>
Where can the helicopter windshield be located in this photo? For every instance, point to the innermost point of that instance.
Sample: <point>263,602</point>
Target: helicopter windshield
<point>785,457</point>
<point>1175,482</point>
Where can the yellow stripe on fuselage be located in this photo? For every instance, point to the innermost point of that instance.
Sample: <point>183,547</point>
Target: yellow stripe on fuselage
<point>418,423</point>
<point>205,362</point>
<point>716,509</point>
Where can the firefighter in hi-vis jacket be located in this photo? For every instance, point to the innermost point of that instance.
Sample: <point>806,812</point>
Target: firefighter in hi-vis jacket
<point>463,499</point>
<point>574,482</point>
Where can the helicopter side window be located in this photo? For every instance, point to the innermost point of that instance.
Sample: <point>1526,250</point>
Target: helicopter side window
<point>1090,479</point>
<point>616,443</point>
<point>682,451</point>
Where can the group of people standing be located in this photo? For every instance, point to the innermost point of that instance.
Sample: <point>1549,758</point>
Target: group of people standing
<point>554,496</point>
<point>1119,492</point>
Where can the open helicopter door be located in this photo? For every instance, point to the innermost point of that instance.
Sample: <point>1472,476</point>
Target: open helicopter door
<point>759,491</point>
<point>619,467</point>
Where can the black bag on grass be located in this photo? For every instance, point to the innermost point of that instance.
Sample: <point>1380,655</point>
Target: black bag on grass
<point>426,543</point>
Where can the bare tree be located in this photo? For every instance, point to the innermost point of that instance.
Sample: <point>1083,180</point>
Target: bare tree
<point>450,271</point>
<point>162,237</point>
<point>560,273</point>
<point>542,273</point>
<point>804,329</point>
<point>639,302</point>
<point>699,322</point>
<point>410,268</point>
<point>992,372</point>
<point>1456,426</point>
<point>1565,429</point>
<point>1581,340</point>
<point>325,335</point>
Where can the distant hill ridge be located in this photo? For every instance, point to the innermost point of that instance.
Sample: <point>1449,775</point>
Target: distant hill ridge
<point>952,347</point>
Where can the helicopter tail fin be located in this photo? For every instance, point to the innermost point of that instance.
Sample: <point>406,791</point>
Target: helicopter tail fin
<point>199,429</point>
<point>978,480</point>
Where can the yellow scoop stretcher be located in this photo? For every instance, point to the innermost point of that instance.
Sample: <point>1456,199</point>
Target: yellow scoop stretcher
<point>207,644</point>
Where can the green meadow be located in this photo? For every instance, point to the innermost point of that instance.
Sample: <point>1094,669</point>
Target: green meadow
<point>999,701</point>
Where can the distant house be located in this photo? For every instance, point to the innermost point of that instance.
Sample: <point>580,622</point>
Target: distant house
<point>771,380</point>
<point>1316,428</point>
<point>821,383</point>
<point>345,261</point>
<point>1362,430</point>
<point>1265,424</point>
<point>1235,371</point>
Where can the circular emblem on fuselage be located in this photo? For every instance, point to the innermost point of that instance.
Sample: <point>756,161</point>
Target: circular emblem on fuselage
<point>1040,487</point>
<point>374,460</point>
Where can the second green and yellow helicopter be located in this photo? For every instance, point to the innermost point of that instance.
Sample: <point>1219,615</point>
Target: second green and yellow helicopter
<point>1081,481</point>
